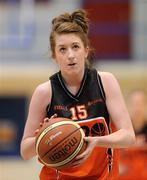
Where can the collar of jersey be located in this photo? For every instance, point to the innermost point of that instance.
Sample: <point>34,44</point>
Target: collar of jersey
<point>76,96</point>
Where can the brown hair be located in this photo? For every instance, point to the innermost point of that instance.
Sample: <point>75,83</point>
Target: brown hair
<point>76,22</point>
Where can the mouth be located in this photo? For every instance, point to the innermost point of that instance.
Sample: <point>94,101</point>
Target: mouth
<point>71,64</point>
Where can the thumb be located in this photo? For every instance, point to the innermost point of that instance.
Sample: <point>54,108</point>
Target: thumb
<point>36,132</point>
<point>86,139</point>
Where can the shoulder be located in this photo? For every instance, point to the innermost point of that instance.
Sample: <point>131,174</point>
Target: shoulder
<point>43,88</point>
<point>43,91</point>
<point>107,78</point>
<point>110,82</point>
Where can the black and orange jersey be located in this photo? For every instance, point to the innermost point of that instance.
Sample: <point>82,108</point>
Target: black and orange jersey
<point>89,102</point>
<point>88,108</point>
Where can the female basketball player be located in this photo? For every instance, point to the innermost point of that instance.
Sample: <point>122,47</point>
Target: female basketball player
<point>91,98</point>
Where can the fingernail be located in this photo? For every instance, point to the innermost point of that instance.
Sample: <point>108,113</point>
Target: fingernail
<point>46,120</point>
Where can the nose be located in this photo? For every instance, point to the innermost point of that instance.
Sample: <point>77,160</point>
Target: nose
<point>70,53</point>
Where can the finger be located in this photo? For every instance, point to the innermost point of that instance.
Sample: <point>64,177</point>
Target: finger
<point>36,132</point>
<point>86,139</point>
<point>75,165</point>
<point>46,120</point>
<point>80,156</point>
<point>53,116</point>
<point>41,124</point>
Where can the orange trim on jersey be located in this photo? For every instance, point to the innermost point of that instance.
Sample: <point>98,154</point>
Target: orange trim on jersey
<point>96,124</point>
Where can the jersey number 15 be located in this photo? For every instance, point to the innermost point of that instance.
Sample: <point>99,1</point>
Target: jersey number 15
<point>78,112</point>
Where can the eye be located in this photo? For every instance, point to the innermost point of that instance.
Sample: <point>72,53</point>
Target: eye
<point>76,46</point>
<point>62,50</point>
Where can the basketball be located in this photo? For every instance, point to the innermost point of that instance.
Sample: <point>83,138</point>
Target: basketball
<point>58,142</point>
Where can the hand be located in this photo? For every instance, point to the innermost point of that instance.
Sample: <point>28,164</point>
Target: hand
<point>91,143</point>
<point>44,121</point>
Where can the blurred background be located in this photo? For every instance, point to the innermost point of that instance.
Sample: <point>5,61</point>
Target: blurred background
<point>118,33</point>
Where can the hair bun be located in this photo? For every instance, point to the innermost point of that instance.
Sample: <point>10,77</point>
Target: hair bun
<point>57,21</point>
<point>80,17</point>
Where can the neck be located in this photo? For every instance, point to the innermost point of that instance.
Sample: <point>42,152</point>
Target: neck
<point>73,82</point>
<point>73,79</point>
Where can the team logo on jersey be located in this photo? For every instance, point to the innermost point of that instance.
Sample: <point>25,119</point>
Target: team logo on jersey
<point>94,127</point>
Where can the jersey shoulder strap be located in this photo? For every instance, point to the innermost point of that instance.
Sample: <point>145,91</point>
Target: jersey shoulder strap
<point>101,87</point>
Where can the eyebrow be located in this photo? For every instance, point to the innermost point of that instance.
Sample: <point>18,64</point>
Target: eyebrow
<point>61,45</point>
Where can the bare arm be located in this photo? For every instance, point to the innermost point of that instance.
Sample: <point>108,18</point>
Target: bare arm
<point>124,136</point>
<point>37,112</point>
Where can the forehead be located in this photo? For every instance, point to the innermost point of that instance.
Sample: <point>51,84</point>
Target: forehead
<point>67,39</point>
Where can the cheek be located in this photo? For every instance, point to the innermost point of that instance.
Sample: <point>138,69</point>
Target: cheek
<point>60,61</point>
<point>82,57</point>
<point>57,57</point>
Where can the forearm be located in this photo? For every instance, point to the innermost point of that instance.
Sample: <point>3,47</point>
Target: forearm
<point>119,139</point>
<point>28,148</point>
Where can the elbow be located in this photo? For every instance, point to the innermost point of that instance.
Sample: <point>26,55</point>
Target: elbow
<point>132,140</point>
<point>24,155</point>
<point>27,149</point>
<point>23,152</point>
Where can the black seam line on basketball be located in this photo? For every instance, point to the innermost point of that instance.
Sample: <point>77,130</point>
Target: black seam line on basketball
<point>60,142</point>
<point>69,155</point>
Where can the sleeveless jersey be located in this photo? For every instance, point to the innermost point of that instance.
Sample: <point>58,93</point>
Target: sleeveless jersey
<point>88,109</point>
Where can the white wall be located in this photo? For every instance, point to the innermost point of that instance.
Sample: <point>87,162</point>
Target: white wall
<point>139,30</point>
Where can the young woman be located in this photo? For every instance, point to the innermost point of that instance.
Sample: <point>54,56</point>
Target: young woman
<point>91,98</point>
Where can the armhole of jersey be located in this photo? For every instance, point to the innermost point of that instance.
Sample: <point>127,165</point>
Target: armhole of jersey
<point>49,105</point>
<point>101,87</point>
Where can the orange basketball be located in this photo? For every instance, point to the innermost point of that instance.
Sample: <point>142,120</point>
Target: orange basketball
<point>59,141</point>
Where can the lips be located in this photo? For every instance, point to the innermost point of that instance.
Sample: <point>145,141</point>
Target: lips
<point>71,64</point>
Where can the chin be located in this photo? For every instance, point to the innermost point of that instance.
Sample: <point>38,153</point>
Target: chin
<point>75,70</point>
